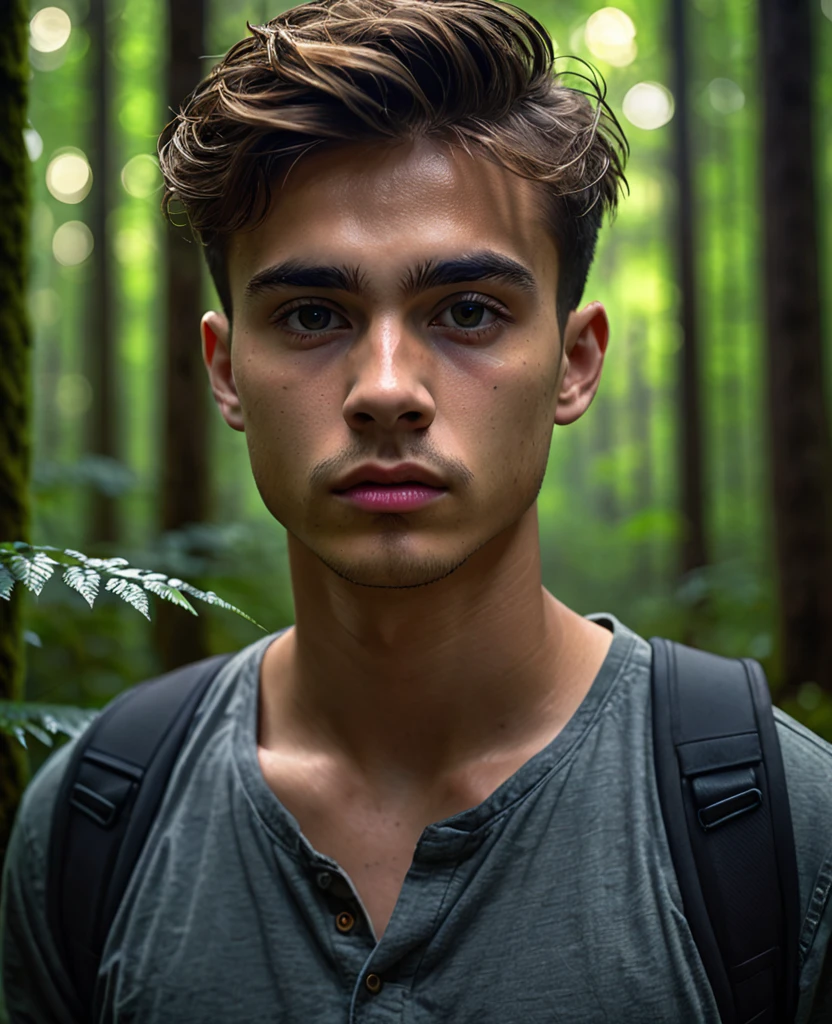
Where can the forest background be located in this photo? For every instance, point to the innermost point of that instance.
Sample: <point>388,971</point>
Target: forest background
<point>692,500</point>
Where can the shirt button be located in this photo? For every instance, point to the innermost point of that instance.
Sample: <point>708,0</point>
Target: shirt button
<point>345,921</point>
<point>324,879</point>
<point>373,983</point>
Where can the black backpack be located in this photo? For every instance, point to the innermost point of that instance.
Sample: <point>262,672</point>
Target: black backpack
<point>721,786</point>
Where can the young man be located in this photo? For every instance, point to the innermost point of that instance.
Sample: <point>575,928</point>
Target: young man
<point>433,798</point>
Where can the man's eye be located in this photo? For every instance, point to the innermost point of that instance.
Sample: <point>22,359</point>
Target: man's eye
<point>469,316</point>
<point>311,318</point>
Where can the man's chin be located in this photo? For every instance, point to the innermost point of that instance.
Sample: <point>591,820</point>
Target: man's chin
<point>394,574</point>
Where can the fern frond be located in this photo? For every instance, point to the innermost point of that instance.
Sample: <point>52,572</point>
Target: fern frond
<point>7,582</point>
<point>83,579</point>
<point>209,597</point>
<point>43,720</point>
<point>31,565</point>
<point>132,593</point>
<point>32,572</point>
<point>169,593</point>
<point>104,564</point>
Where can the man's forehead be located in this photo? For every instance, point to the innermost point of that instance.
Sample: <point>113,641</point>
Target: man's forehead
<point>393,210</point>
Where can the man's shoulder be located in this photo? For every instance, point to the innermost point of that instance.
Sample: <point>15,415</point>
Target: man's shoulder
<point>34,815</point>
<point>807,760</point>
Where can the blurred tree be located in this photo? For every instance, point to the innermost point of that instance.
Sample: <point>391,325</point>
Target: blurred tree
<point>14,381</point>
<point>100,350</point>
<point>694,549</point>
<point>801,454</point>
<point>185,483</point>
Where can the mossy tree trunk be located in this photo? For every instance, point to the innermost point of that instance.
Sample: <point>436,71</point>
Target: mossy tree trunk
<point>14,374</point>
<point>694,548</point>
<point>801,452</point>
<point>102,421</point>
<point>182,638</point>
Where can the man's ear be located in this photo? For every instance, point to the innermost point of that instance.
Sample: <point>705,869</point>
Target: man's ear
<point>585,340</point>
<point>216,352</point>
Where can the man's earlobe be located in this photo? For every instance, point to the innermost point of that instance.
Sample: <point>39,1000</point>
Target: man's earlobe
<point>585,340</point>
<point>216,353</point>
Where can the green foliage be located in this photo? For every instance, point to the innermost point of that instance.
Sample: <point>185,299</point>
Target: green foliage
<point>43,721</point>
<point>33,566</point>
<point>98,472</point>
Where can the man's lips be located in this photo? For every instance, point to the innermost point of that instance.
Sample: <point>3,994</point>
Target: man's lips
<point>375,473</point>
<point>408,496</point>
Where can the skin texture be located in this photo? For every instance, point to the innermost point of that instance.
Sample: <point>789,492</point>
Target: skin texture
<point>427,662</point>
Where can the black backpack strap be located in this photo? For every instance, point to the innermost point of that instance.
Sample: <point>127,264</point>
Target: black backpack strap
<point>723,794</point>
<point>110,792</point>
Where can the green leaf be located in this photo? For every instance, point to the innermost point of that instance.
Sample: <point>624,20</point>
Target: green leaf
<point>38,733</point>
<point>104,564</point>
<point>33,566</point>
<point>169,594</point>
<point>43,720</point>
<point>83,579</point>
<point>33,573</point>
<point>7,582</point>
<point>132,593</point>
<point>209,597</point>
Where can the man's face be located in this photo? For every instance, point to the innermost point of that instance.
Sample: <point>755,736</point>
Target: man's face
<point>386,365</point>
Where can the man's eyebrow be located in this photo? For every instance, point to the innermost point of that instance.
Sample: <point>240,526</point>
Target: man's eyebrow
<point>295,273</point>
<point>477,266</point>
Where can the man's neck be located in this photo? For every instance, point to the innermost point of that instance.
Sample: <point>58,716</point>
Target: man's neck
<point>407,686</point>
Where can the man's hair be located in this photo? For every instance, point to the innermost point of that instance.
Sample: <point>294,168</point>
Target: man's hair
<point>477,74</point>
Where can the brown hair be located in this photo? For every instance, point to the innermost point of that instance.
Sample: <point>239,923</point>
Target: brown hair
<point>475,73</point>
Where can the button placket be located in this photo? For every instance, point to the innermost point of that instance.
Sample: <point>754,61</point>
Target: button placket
<point>345,922</point>
<point>373,984</point>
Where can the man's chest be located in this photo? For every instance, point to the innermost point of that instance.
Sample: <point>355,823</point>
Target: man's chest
<point>372,835</point>
<point>550,911</point>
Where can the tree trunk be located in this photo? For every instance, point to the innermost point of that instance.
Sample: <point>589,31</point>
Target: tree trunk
<point>692,499</point>
<point>642,410</point>
<point>801,455</point>
<point>102,438</point>
<point>181,638</point>
<point>15,399</point>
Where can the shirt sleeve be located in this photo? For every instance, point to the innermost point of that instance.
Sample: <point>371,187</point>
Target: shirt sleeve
<point>34,987</point>
<point>807,760</point>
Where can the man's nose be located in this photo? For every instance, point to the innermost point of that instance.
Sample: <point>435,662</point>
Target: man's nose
<point>389,374</point>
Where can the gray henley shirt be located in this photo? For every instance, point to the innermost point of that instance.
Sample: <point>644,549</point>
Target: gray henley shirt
<point>553,900</point>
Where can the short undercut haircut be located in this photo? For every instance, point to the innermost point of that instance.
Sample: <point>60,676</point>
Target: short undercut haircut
<point>477,74</point>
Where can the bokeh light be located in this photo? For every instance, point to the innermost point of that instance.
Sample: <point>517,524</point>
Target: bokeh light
<point>610,36</point>
<point>725,96</point>
<point>648,105</point>
<point>49,29</point>
<point>135,244</point>
<point>69,176</point>
<point>72,243</point>
<point>34,143</point>
<point>73,395</point>
<point>141,176</point>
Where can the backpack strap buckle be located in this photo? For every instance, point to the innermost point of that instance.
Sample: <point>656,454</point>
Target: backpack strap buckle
<point>105,786</point>
<point>722,796</point>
